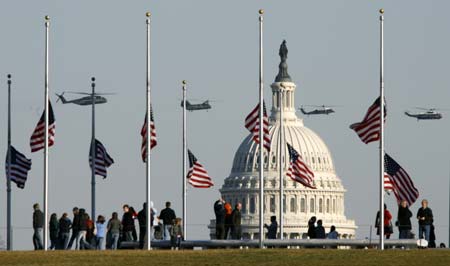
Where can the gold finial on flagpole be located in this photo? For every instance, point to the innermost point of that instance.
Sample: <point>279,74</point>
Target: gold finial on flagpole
<point>184,82</point>
<point>148,14</point>
<point>261,11</point>
<point>382,11</point>
<point>47,18</point>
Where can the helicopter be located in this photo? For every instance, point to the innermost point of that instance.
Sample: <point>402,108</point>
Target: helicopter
<point>323,110</point>
<point>200,106</point>
<point>429,114</point>
<point>86,100</point>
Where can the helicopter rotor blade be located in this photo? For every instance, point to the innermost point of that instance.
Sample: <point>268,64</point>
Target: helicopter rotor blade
<point>323,106</point>
<point>87,93</point>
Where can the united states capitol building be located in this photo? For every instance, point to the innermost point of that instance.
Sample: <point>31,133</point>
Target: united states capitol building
<point>242,185</point>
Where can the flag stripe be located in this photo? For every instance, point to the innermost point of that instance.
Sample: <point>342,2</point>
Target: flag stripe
<point>298,170</point>
<point>153,141</point>
<point>37,140</point>
<point>102,159</point>
<point>197,175</point>
<point>368,130</point>
<point>20,166</point>
<point>399,181</point>
<point>252,124</point>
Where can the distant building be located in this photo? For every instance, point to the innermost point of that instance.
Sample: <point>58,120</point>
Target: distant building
<point>242,185</point>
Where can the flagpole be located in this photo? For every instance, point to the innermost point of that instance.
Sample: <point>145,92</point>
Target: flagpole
<point>261,133</point>
<point>280,157</point>
<point>8,180</point>
<point>148,138</point>
<point>47,24</point>
<point>381,225</point>
<point>184,160</point>
<point>93,152</point>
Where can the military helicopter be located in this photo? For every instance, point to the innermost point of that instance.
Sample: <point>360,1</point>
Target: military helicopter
<point>87,100</point>
<point>429,114</point>
<point>322,110</point>
<point>200,106</point>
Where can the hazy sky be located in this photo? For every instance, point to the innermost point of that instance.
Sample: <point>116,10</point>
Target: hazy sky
<point>333,59</point>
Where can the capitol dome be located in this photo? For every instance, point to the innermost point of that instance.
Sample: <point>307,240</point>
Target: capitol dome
<point>326,202</point>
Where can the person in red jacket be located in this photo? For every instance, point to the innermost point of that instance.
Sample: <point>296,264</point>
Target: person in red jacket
<point>388,229</point>
<point>228,220</point>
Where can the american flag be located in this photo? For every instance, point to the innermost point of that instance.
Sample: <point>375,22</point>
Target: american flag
<point>20,166</point>
<point>197,175</point>
<point>252,124</point>
<point>400,182</point>
<point>38,138</point>
<point>102,159</point>
<point>298,170</point>
<point>144,136</point>
<point>368,130</point>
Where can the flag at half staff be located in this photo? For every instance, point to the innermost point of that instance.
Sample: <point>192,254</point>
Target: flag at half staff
<point>298,170</point>
<point>197,175</point>
<point>401,184</point>
<point>144,135</point>
<point>368,129</point>
<point>37,140</point>
<point>102,159</point>
<point>252,124</point>
<point>20,166</point>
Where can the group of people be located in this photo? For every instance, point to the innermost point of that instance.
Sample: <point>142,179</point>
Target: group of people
<point>424,218</point>
<point>317,231</point>
<point>228,220</point>
<point>228,223</point>
<point>87,234</point>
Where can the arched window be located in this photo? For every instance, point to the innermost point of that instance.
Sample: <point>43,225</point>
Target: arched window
<point>302,205</point>
<point>334,205</point>
<point>311,205</point>
<point>284,204</point>
<point>252,205</point>
<point>328,206</point>
<point>244,205</point>
<point>293,207</point>
<point>272,203</point>
<point>320,205</point>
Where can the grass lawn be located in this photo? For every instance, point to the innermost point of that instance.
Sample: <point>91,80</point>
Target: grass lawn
<point>228,257</point>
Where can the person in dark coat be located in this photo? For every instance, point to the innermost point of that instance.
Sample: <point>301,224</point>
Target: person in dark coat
<point>134,215</point>
<point>432,242</point>
<point>75,228</point>
<point>38,227</point>
<point>167,216</point>
<point>404,220</point>
<point>320,230</point>
<point>127,224</point>
<point>53,227</point>
<point>236,230</point>
<point>312,227</point>
<point>425,217</point>
<point>272,228</point>
<point>219,211</point>
<point>142,219</point>
<point>64,231</point>
<point>82,227</point>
